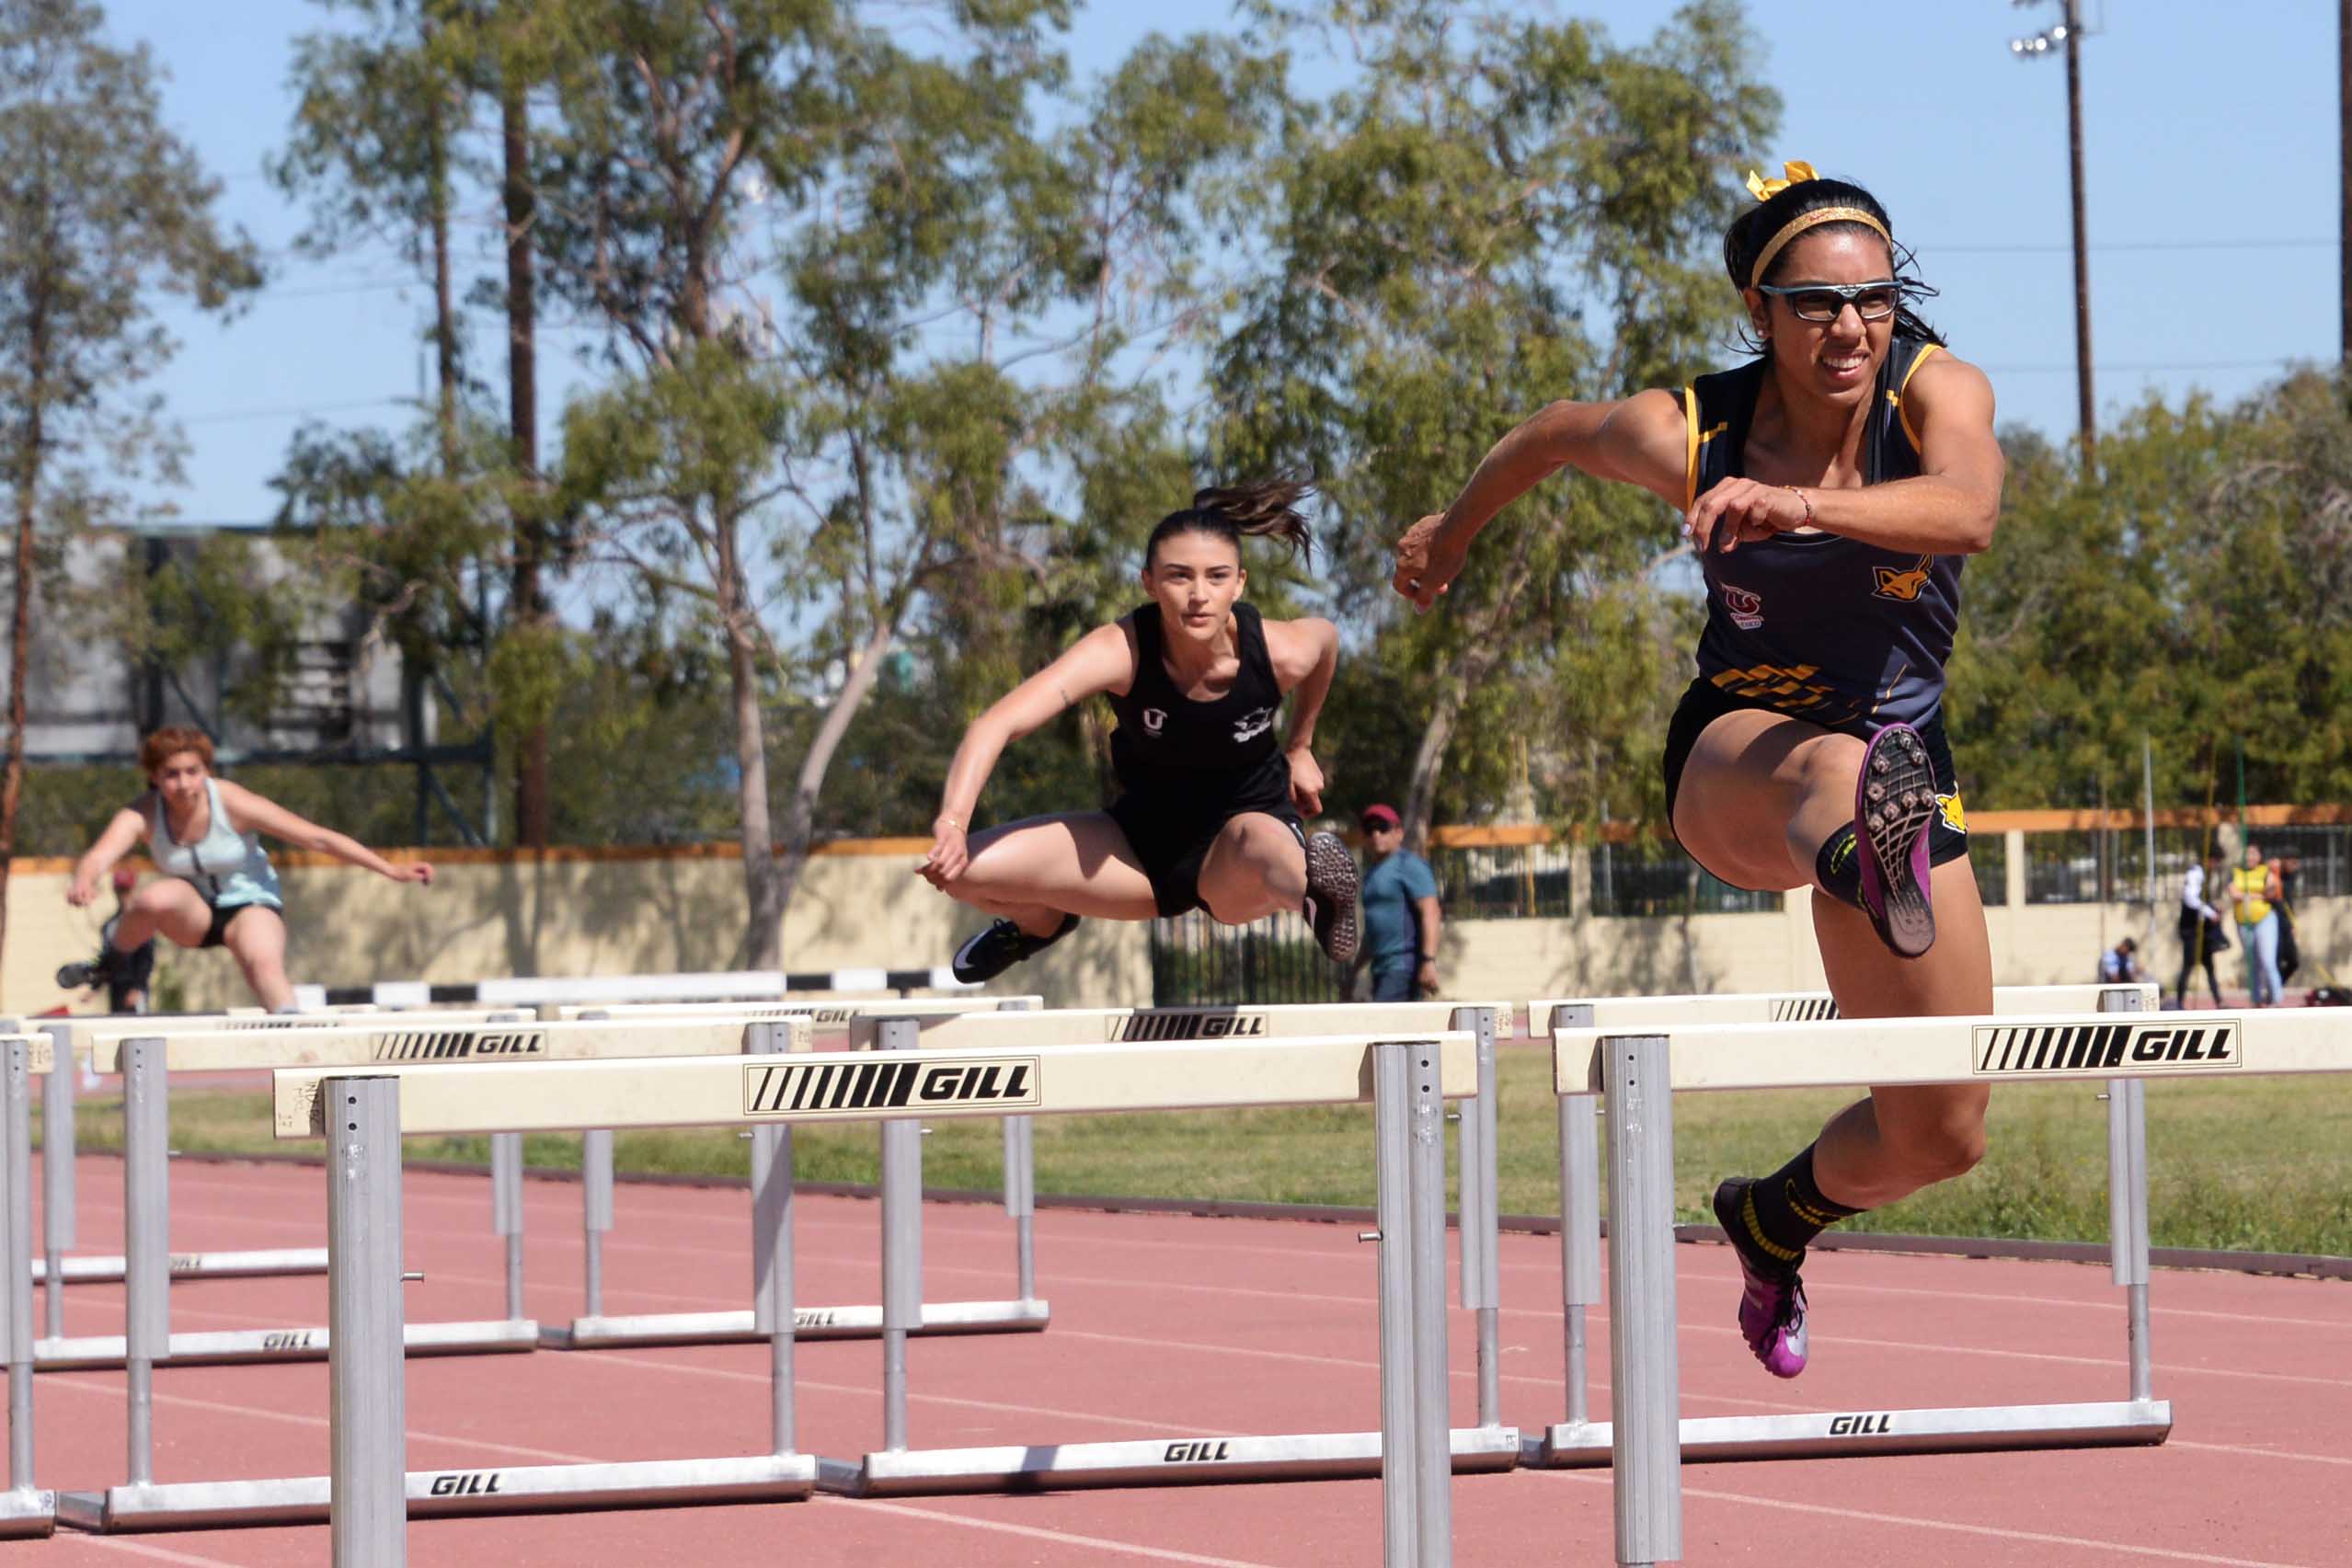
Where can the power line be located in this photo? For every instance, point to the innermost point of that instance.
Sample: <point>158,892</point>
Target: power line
<point>2068,367</point>
<point>2038,249</point>
<point>233,415</point>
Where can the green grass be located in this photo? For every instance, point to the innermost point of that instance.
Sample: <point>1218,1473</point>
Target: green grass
<point>2261,1164</point>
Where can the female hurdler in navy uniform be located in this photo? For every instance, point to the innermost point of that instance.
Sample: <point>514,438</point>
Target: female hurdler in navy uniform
<point>1830,488</point>
<point>1210,810</point>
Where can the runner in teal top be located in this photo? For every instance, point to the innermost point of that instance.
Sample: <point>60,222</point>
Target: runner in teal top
<point>218,888</point>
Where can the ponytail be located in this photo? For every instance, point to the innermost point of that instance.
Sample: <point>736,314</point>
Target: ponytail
<point>1259,507</point>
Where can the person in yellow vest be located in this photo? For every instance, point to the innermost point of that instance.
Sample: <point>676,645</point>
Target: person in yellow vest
<point>2253,889</point>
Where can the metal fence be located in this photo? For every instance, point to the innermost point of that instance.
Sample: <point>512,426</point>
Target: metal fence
<point>2110,864</point>
<point>1196,962</point>
<point>1645,877</point>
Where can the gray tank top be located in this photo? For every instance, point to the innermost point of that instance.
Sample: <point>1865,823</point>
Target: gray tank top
<point>1825,628</point>
<point>228,868</point>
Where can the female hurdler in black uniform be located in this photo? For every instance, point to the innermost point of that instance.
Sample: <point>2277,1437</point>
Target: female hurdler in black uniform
<point>1830,488</point>
<point>1210,810</point>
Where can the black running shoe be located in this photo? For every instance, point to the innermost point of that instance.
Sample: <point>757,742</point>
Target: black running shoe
<point>1001,946</point>
<point>98,971</point>
<point>1330,906</point>
<point>1894,806</point>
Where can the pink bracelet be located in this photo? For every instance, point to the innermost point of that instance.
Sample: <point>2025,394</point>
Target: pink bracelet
<point>1808,504</point>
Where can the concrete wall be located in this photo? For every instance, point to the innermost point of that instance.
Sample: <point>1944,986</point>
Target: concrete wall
<point>579,915</point>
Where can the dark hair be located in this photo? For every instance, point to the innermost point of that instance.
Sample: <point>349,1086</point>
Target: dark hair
<point>162,745</point>
<point>1755,228</point>
<point>1256,506</point>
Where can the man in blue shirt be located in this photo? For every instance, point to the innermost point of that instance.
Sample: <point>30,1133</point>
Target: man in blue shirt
<point>1400,895</point>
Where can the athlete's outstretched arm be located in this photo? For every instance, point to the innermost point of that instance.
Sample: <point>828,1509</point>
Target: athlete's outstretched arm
<point>1305,655</point>
<point>261,814</point>
<point>1636,441</point>
<point>126,830</point>
<point>1949,509</point>
<point>1102,661</point>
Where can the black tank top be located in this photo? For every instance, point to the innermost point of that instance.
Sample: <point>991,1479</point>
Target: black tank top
<point>1169,747</point>
<point>1819,625</point>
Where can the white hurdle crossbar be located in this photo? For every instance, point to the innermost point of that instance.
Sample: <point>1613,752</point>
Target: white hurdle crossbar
<point>596,1329</point>
<point>1409,1081</point>
<point>25,1509</point>
<point>79,1037</point>
<point>215,1045</point>
<point>1579,1441</point>
<point>1638,1073</point>
<point>1480,1223</point>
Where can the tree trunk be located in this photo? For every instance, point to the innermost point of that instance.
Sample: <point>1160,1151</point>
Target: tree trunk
<point>1470,667</point>
<point>20,608</point>
<point>445,295</point>
<point>800,817</point>
<point>763,885</point>
<point>531,810</point>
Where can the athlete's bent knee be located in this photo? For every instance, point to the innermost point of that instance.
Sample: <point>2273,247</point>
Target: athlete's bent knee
<point>1946,1148</point>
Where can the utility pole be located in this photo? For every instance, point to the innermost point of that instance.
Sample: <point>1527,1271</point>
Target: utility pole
<point>2344,160</point>
<point>2068,34</point>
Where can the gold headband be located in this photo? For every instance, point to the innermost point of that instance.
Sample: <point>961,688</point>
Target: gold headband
<point>1814,219</point>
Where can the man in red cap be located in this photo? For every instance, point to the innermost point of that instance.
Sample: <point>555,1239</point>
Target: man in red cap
<point>1400,928</point>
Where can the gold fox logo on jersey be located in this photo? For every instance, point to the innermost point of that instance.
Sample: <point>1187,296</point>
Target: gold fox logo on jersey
<point>1904,585</point>
<point>1956,815</point>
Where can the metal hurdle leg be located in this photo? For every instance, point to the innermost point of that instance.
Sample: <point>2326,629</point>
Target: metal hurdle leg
<point>25,1510</point>
<point>2128,1212</point>
<point>772,1284</point>
<point>1400,1434</point>
<point>1021,1189</point>
<point>1481,1226</point>
<point>58,1132</point>
<point>505,1212</point>
<point>1432,1375</point>
<point>901,1248</point>
<point>367,1415</point>
<point>1644,1371</point>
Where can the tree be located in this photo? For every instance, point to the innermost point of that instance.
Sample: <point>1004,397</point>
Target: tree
<point>1492,212</point>
<point>99,203</point>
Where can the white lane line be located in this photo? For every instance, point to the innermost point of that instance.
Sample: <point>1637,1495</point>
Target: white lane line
<point>867,1390</point>
<point>1035,1532</point>
<point>316,1421</point>
<point>1865,1516</point>
<point>153,1554</point>
<point>2251,1451</point>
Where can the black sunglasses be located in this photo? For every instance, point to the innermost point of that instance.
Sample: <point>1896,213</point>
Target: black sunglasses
<point>1825,302</point>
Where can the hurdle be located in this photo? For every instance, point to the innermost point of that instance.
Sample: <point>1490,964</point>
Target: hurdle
<point>596,1329</point>
<point>529,1047</point>
<point>1408,1082</point>
<point>25,1508</point>
<point>719,985</point>
<point>76,1037</point>
<point>899,1470</point>
<point>1579,1442</point>
<point>328,1042</point>
<point>2143,1419</point>
<point>1638,1070</point>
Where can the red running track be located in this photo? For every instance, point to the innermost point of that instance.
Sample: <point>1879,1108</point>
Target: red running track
<point>1184,1328</point>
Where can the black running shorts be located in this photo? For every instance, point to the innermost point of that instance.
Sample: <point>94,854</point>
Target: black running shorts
<point>1703,703</point>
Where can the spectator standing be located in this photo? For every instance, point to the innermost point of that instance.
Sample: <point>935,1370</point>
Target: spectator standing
<point>1401,917</point>
<point>2202,934</point>
<point>2254,889</point>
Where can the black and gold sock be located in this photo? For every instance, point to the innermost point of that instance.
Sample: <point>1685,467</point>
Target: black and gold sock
<point>1837,868</point>
<point>1786,1210</point>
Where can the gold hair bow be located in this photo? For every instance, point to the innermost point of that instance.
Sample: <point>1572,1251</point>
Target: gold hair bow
<point>1798,172</point>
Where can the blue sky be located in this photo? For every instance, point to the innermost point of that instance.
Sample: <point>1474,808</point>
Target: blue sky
<point>2210,171</point>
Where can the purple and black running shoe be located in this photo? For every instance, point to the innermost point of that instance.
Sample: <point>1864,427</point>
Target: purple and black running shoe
<point>1894,804</point>
<point>1772,1301</point>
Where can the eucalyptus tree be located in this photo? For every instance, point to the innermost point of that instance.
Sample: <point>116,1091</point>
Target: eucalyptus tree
<point>1490,212</point>
<point>102,211</point>
<point>874,314</point>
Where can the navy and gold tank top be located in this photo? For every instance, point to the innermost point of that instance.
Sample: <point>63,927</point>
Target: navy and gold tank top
<point>1822,627</point>
<point>1168,745</point>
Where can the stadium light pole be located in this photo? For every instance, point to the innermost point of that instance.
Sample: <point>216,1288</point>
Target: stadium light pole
<point>2067,34</point>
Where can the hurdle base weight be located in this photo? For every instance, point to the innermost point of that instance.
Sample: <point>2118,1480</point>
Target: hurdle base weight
<point>24,1512</point>
<point>235,1346</point>
<point>1334,1455</point>
<point>1838,1434</point>
<point>939,1317</point>
<point>436,1493</point>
